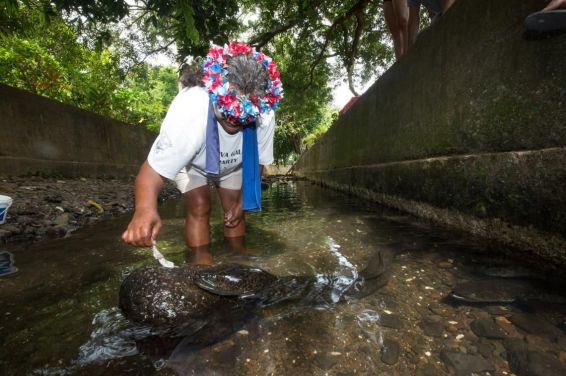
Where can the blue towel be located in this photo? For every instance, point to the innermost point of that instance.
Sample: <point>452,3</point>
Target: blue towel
<point>212,166</point>
<point>251,180</point>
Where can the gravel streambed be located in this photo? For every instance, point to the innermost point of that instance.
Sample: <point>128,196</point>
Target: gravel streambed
<point>53,207</point>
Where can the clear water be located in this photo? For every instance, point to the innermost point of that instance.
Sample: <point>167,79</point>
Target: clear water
<point>59,312</point>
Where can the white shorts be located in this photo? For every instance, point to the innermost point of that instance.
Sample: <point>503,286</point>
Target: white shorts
<point>191,179</point>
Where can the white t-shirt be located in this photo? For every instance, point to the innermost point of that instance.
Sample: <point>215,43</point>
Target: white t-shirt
<point>182,138</point>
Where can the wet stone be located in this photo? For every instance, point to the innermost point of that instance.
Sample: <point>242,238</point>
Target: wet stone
<point>537,342</point>
<point>391,321</point>
<point>536,325</point>
<point>390,303</point>
<point>487,328</point>
<point>226,355</point>
<point>445,265</point>
<point>366,349</point>
<point>427,370</point>
<point>11,229</point>
<point>54,198</point>
<point>497,310</point>
<point>432,328</point>
<point>515,345</point>
<point>4,234</point>
<point>390,352</point>
<point>62,219</point>
<point>56,232</point>
<point>535,363</point>
<point>465,364</point>
<point>441,310</point>
<point>485,348</point>
<point>326,361</point>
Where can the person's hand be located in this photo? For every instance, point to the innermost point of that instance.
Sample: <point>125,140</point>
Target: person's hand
<point>233,217</point>
<point>143,228</point>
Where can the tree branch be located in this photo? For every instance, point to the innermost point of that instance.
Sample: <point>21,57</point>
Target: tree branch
<point>358,7</point>
<point>261,40</point>
<point>149,53</point>
<point>354,51</point>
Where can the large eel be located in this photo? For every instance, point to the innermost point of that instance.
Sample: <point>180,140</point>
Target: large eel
<point>181,301</point>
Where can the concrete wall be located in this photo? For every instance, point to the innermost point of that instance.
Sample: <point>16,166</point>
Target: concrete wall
<point>468,129</point>
<point>42,136</point>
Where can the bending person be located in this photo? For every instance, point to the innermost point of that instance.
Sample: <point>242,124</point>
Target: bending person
<point>216,134</point>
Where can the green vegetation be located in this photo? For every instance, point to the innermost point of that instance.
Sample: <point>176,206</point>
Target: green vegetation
<point>47,58</point>
<point>92,54</point>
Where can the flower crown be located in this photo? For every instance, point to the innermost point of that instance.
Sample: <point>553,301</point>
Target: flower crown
<point>243,108</point>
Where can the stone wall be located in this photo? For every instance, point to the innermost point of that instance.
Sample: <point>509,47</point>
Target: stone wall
<point>43,136</point>
<point>468,129</point>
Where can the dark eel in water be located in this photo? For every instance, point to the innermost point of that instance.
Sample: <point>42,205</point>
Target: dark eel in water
<point>205,302</point>
<point>503,291</point>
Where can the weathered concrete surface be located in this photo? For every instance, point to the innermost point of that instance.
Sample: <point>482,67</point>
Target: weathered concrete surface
<point>468,129</point>
<point>43,136</point>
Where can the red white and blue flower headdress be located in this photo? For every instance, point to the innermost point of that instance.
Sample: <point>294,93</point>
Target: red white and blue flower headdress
<point>243,108</point>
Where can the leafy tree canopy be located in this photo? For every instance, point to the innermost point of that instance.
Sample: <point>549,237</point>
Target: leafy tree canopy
<point>352,32</point>
<point>314,42</point>
<point>48,59</point>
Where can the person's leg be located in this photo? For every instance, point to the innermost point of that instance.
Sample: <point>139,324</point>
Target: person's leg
<point>555,4</point>
<point>401,11</point>
<point>391,22</point>
<point>235,245</point>
<point>197,223</point>
<point>446,4</point>
<point>199,255</point>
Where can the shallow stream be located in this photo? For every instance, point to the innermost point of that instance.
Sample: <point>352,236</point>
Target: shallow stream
<point>59,312</point>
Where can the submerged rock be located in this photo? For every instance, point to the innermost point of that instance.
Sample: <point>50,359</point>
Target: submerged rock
<point>390,351</point>
<point>535,363</point>
<point>487,328</point>
<point>537,325</point>
<point>466,364</point>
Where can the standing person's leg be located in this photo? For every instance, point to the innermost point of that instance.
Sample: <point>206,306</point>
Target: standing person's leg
<point>555,4</point>
<point>199,255</point>
<point>194,187</point>
<point>396,15</point>
<point>446,4</point>
<point>197,223</point>
<point>391,22</point>
<point>402,15</point>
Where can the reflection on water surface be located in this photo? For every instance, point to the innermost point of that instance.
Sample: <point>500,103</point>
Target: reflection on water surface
<point>452,305</point>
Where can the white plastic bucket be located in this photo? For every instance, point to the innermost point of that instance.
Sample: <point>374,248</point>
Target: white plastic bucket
<point>5,203</point>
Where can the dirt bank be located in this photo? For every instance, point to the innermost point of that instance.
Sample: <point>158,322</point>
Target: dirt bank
<point>52,207</point>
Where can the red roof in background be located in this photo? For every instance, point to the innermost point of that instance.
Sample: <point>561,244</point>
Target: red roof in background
<point>348,105</point>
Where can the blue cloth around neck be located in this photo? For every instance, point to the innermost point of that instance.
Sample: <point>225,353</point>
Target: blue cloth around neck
<point>251,179</point>
<point>212,166</point>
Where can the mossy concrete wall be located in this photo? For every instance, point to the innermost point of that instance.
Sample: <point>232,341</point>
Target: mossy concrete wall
<point>43,136</point>
<point>467,129</point>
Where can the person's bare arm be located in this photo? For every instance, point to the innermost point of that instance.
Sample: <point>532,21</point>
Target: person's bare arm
<point>146,223</point>
<point>414,21</point>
